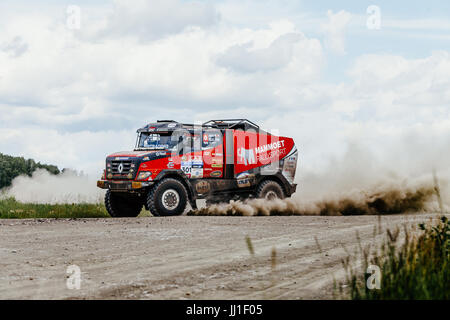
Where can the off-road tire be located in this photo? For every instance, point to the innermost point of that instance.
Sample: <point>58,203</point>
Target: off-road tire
<point>155,201</point>
<point>122,205</point>
<point>268,188</point>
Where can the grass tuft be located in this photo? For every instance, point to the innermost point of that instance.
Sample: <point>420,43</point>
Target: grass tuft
<point>250,245</point>
<point>13,209</point>
<point>416,267</point>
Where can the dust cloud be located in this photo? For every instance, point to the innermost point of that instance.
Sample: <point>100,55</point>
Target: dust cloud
<point>43,187</point>
<point>358,183</point>
<point>380,200</point>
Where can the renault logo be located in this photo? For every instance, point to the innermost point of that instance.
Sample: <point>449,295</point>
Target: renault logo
<point>120,168</point>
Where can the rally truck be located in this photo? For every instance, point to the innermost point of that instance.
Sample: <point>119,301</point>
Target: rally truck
<point>173,164</point>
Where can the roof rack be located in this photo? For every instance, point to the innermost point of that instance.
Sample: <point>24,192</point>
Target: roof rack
<point>180,123</point>
<point>232,124</point>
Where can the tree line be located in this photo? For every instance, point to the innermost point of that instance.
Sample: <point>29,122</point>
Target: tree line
<point>11,167</point>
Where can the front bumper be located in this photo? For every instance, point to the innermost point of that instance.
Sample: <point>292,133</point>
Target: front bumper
<point>123,185</point>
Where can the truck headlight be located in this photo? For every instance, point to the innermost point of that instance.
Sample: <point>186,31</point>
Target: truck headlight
<point>144,175</point>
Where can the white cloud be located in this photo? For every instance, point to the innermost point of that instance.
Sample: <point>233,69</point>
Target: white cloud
<point>16,47</point>
<point>335,30</point>
<point>412,89</point>
<point>417,24</point>
<point>241,58</point>
<point>151,19</point>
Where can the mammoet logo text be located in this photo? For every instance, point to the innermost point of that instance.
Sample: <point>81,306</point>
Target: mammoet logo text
<point>268,147</point>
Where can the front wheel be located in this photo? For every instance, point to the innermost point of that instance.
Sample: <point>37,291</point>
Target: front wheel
<point>270,190</point>
<point>122,204</point>
<point>167,198</point>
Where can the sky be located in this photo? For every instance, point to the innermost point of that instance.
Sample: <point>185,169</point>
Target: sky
<point>77,78</point>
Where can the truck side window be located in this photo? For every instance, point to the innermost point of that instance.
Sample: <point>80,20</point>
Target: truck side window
<point>211,138</point>
<point>196,142</point>
<point>185,143</point>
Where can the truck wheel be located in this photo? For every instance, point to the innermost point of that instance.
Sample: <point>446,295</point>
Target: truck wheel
<point>122,205</point>
<point>270,190</point>
<point>167,198</point>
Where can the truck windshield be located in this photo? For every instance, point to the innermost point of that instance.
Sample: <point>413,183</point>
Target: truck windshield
<point>161,141</point>
<point>156,141</point>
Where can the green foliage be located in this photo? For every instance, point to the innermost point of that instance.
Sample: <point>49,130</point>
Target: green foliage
<point>12,209</point>
<point>11,167</point>
<point>417,268</point>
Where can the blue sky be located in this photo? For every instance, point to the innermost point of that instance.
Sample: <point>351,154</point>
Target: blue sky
<point>311,69</point>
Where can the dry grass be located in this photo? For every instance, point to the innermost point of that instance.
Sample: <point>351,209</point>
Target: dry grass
<point>413,266</point>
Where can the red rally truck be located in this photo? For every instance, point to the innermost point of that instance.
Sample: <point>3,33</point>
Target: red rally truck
<point>173,164</point>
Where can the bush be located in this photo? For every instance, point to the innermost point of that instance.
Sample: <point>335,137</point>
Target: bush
<point>11,167</point>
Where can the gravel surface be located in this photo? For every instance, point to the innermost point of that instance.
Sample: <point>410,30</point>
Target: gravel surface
<point>182,257</point>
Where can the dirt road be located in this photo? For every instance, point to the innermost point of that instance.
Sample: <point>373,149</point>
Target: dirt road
<point>182,257</point>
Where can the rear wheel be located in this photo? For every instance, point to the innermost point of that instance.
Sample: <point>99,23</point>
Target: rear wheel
<point>122,204</point>
<point>270,190</point>
<point>167,198</point>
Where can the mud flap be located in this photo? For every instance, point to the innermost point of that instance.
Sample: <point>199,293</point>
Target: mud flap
<point>193,203</point>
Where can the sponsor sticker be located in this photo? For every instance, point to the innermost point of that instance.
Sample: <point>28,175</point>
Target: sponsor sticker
<point>216,173</point>
<point>170,165</point>
<point>203,187</point>
<point>197,164</point>
<point>243,183</point>
<point>244,180</point>
<point>217,165</point>
<point>161,146</point>
<point>197,173</point>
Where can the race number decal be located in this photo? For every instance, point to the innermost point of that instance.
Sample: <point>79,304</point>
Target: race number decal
<point>186,167</point>
<point>192,169</point>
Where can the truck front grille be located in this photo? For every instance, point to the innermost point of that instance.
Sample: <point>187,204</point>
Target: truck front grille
<point>120,167</point>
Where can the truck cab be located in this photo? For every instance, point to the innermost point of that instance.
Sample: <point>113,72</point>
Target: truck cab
<point>174,164</point>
